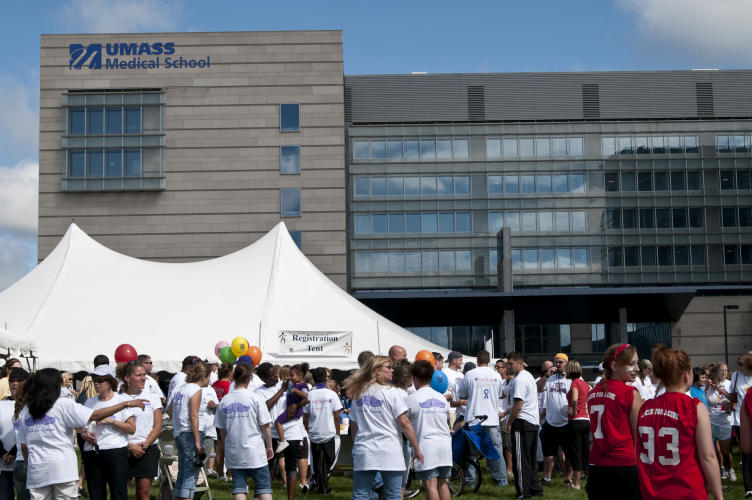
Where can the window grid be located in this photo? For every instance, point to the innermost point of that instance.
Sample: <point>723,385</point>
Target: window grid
<point>534,147</point>
<point>649,144</point>
<point>413,261</point>
<point>538,221</point>
<point>652,181</point>
<point>651,218</point>
<point>549,259</point>
<point>411,149</point>
<point>412,186</point>
<point>563,183</point>
<point>413,222</point>
<point>655,256</point>
<point>733,143</point>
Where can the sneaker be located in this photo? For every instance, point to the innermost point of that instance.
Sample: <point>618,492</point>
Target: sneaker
<point>724,474</point>
<point>305,488</point>
<point>281,446</point>
<point>748,494</point>
<point>211,473</point>
<point>411,493</point>
<point>545,482</point>
<point>732,475</point>
<point>82,492</point>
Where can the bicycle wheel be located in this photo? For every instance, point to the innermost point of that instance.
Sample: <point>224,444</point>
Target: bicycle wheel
<point>473,476</point>
<point>456,481</point>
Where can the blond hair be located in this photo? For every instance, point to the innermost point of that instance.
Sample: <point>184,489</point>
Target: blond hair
<point>357,383</point>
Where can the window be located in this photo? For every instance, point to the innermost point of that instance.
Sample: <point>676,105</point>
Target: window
<point>647,218</point>
<point>446,222</point>
<point>378,150</point>
<point>362,223</point>
<point>580,258</point>
<point>511,184</point>
<point>114,120</point>
<point>132,163</point>
<point>427,148</point>
<point>494,184</point>
<point>648,256</point>
<point>727,179</point>
<point>411,150</point>
<point>95,120</point>
<point>546,221</point>
<point>289,117</point>
<point>289,159</point>
<point>412,186</point>
<point>512,220</point>
<point>362,262</point>
<point>612,181</point>
<point>394,150</point>
<point>443,148</point>
<point>379,262</point>
<point>728,217</point>
<point>679,217</point>
<point>559,146</point>
<point>396,262</point>
<point>694,180</point>
<point>132,120</point>
<point>462,222</point>
<point>575,146</point>
<point>608,147</point>
<point>378,186</point>
<point>361,150</point>
<point>562,221</point>
<point>464,260</point>
<point>613,219</point>
<point>614,256</point>
<point>747,254</point>
<point>579,221</point>
<point>527,148</point>
<point>629,218</point>
<point>428,186</point>
<point>698,255</point>
<point>114,163</point>
<point>661,181</point>
<point>509,148</point>
<point>542,147</point>
<point>745,217</point>
<point>362,186</point>
<point>530,258</point>
<point>94,163</point>
<point>444,185</point>
<point>628,181</point>
<point>681,255</point>
<point>563,258</point>
<point>529,221</point>
<point>77,125</point>
<point>665,256</point>
<point>394,186</point>
<point>730,254</point>
<point>396,223</point>
<point>495,222</point>
<point>527,183</point>
<point>641,145</point>
<point>412,261</point>
<point>547,258</point>
<point>290,202</point>
<point>577,183</point>
<point>677,181</point>
<point>742,179</point>
<point>429,223</point>
<point>544,184</point>
<point>560,183</point>
<point>76,164</point>
<point>460,148</point>
<point>493,148</point>
<point>430,261</point>
<point>378,223</point>
<point>632,256</point>
<point>644,181</point>
<point>462,185</point>
<point>695,217</point>
<point>446,260</point>
<point>663,218</point>
<point>412,223</point>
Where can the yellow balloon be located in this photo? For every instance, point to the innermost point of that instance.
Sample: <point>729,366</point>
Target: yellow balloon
<point>239,346</point>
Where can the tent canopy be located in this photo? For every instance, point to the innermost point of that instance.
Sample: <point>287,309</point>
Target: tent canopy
<point>85,299</point>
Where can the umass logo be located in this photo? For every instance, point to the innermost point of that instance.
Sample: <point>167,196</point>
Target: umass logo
<point>90,55</point>
<point>85,54</point>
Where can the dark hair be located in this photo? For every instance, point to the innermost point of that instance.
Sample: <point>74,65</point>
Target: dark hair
<point>401,376</point>
<point>101,359</point>
<point>126,370</point>
<point>483,357</point>
<point>196,372</point>
<point>515,356</point>
<point>319,374</point>
<point>224,370</point>
<point>110,380</point>
<point>423,371</point>
<point>698,372</point>
<point>7,366</point>
<point>669,365</point>
<point>22,393</point>
<point>301,368</point>
<point>265,371</point>
<point>437,356</point>
<point>189,360</point>
<point>44,389</point>
<point>143,357</point>
<point>363,357</point>
<point>242,374</point>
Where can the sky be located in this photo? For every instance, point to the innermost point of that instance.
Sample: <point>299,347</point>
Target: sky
<point>386,37</point>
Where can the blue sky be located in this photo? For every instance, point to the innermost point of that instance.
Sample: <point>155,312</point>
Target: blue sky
<point>379,37</point>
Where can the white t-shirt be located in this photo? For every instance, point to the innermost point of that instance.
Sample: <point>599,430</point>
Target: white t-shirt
<point>52,459</point>
<point>452,377</point>
<point>482,389</point>
<point>108,437</point>
<point>176,382</point>
<point>145,417</point>
<point>322,403</point>
<point>378,443</point>
<point>242,413</point>
<point>523,387</point>
<point>65,392</point>
<point>427,410</point>
<point>459,410</point>
<point>152,387</point>
<point>266,393</point>
<point>181,418</point>
<point>646,388</point>
<point>741,382</point>
<point>205,415</point>
<point>255,383</point>
<point>7,434</point>
<point>556,389</point>
<point>213,377</point>
<point>716,403</point>
<point>504,403</point>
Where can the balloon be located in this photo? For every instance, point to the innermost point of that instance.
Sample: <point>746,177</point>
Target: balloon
<point>219,346</point>
<point>239,346</point>
<point>125,353</point>
<point>425,356</point>
<point>439,381</point>
<point>255,353</point>
<point>226,355</point>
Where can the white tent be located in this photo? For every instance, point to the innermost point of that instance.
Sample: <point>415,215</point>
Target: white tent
<point>85,299</point>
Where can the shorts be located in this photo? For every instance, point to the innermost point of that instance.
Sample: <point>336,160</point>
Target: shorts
<point>262,483</point>
<point>504,436</point>
<point>146,466</point>
<point>298,450</point>
<point>614,483</point>
<point>443,472</point>
<point>720,432</point>
<point>552,438</point>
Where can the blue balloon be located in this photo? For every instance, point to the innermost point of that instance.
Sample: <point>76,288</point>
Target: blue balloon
<point>439,382</point>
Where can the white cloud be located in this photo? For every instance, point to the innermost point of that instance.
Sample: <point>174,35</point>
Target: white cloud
<point>120,16</point>
<point>18,220</point>
<point>19,119</point>
<point>713,31</point>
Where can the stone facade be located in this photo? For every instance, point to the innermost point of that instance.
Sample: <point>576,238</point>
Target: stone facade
<point>222,143</point>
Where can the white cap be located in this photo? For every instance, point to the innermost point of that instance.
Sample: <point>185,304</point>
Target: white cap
<point>212,360</point>
<point>103,370</point>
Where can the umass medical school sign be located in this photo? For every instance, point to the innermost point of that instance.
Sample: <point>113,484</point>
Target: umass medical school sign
<point>330,344</point>
<point>131,55</point>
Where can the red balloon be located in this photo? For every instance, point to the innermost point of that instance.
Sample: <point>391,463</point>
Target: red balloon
<point>125,353</point>
<point>425,355</point>
<point>255,353</point>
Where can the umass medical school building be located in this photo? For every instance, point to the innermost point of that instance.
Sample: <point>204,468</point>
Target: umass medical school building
<point>541,212</point>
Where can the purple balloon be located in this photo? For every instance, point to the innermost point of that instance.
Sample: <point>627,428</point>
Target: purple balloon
<point>219,346</point>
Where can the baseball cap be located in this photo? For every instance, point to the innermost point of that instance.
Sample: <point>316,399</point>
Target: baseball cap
<point>103,370</point>
<point>212,360</point>
<point>244,360</point>
<point>454,355</point>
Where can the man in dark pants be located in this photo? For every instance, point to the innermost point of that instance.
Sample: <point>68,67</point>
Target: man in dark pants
<point>321,419</point>
<point>523,427</point>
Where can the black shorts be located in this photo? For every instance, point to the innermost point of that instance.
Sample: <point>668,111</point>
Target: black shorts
<point>614,483</point>
<point>146,466</point>
<point>297,450</point>
<point>553,437</point>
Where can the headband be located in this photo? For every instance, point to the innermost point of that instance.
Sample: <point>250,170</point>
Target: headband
<point>619,351</point>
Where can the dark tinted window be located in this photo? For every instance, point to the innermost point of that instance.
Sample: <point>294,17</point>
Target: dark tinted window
<point>289,117</point>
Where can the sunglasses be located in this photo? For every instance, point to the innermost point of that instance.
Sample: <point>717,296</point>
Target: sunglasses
<point>97,380</point>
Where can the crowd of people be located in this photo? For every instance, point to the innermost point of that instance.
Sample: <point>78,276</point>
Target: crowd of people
<point>650,429</point>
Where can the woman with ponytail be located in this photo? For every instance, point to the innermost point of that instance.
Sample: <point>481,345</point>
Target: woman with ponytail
<point>674,443</point>
<point>613,407</point>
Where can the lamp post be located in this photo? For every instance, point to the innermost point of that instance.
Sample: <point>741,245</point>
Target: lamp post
<point>732,307</point>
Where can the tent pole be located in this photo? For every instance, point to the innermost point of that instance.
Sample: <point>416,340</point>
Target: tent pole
<point>378,337</point>
<point>259,341</point>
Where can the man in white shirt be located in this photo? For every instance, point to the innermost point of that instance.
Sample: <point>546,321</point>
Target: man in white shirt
<point>151,383</point>
<point>556,385</point>
<point>482,389</point>
<point>523,427</point>
<point>321,420</point>
<point>505,406</point>
<point>177,381</point>
<point>453,371</point>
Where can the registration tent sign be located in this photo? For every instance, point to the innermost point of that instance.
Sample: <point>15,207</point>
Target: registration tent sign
<point>302,343</point>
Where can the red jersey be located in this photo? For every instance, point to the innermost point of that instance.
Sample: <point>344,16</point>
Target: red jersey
<point>668,462</point>
<point>613,445</point>
<point>582,394</point>
<point>748,406</point>
<point>221,387</point>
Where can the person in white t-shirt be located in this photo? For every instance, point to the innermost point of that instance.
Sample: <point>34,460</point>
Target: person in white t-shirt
<point>244,424</point>
<point>45,427</point>
<point>482,389</point>
<point>179,378</point>
<point>453,371</point>
<point>143,450</point>
<point>321,419</point>
<point>17,394</point>
<point>554,434</point>
<point>523,427</point>
<point>151,384</point>
<point>9,451</point>
<point>185,408</point>
<point>427,411</point>
<point>721,416</point>
<point>206,416</point>
<point>273,392</point>
<point>378,415</point>
<point>105,453</point>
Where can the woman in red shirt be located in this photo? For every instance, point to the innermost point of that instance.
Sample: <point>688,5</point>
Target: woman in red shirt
<point>613,407</point>
<point>745,423</point>
<point>577,448</point>
<point>674,442</point>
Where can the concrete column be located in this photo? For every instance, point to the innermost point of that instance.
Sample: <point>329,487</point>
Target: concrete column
<point>506,261</point>
<point>623,325</point>
<point>506,330</point>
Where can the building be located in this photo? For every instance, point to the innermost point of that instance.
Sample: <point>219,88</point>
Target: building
<point>627,195</point>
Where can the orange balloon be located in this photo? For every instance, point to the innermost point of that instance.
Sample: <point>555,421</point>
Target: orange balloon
<point>255,354</point>
<point>425,356</point>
